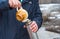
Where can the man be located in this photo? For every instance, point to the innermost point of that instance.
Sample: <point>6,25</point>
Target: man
<point>10,28</point>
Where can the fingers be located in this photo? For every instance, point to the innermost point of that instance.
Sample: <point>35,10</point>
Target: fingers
<point>33,26</point>
<point>14,3</point>
<point>10,3</point>
<point>19,4</point>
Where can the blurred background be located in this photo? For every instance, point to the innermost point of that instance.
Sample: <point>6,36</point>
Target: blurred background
<point>51,19</point>
<point>48,1</point>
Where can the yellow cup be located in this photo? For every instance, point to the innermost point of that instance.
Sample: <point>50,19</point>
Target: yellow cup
<point>21,14</point>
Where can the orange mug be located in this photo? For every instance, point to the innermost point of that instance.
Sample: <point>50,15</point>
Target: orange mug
<point>21,14</point>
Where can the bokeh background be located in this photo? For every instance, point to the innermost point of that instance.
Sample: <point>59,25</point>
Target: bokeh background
<point>51,19</point>
<point>48,1</point>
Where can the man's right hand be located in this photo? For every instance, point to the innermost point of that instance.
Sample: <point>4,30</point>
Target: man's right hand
<point>14,3</point>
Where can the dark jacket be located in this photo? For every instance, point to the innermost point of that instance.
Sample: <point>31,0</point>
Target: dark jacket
<point>10,28</point>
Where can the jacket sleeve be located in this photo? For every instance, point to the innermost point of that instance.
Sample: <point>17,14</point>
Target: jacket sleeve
<point>4,5</point>
<point>37,14</point>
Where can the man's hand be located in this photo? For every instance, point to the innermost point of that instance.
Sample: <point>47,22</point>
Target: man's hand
<point>33,26</point>
<point>14,3</point>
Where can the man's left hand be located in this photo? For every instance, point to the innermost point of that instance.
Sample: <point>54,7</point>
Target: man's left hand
<point>33,26</point>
